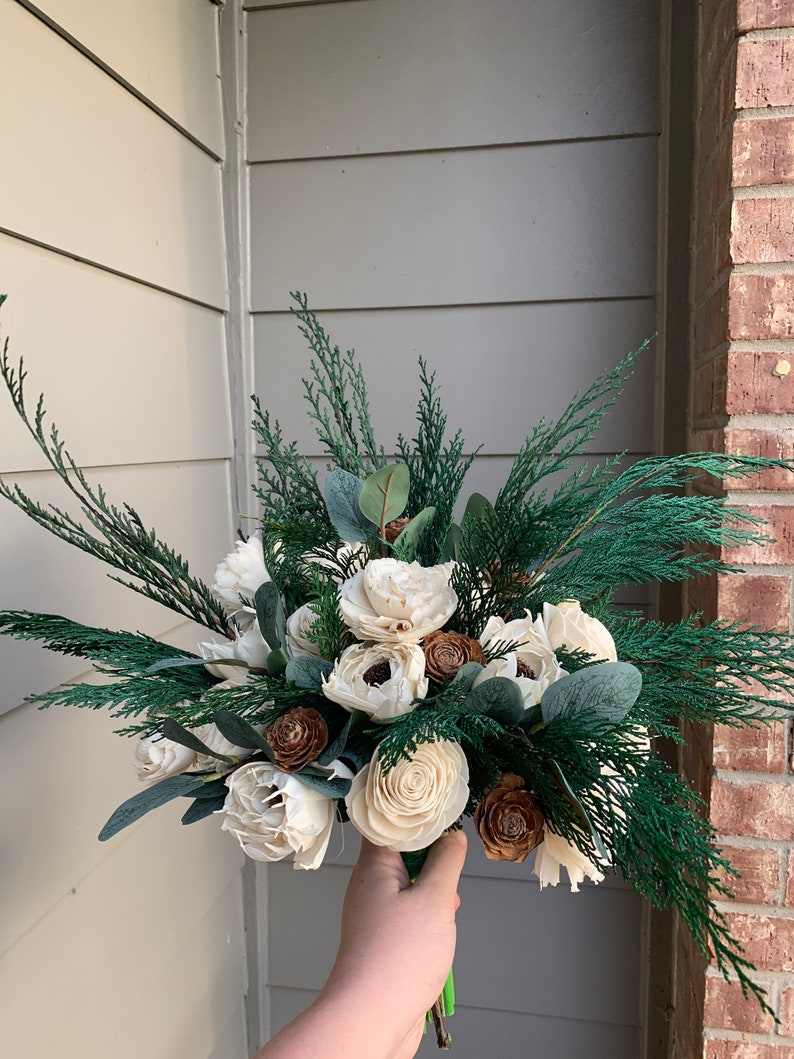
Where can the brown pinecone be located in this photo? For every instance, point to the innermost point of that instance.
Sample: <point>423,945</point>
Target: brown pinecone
<point>509,820</point>
<point>446,652</point>
<point>394,528</point>
<point>297,737</point>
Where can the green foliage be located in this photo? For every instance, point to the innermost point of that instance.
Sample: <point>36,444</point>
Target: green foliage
<point>115,535</point>
<point>287,484</point>
<point>337,398</point>
<point>437,469</point>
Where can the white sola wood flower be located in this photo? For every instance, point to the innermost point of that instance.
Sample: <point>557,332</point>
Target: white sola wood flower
<point>411,805</point>
<point>556,852</point>
<point>155,757</point>
<point>532,665</point>
<point>298,626</point>
<point>380,679</point>
<point>568,626</point>
<point>248,646</point>
<point>240,574</point>
<point>272,815</point>
<point>390,600</point>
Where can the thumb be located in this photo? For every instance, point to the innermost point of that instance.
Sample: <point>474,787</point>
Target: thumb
<point>444,863</point>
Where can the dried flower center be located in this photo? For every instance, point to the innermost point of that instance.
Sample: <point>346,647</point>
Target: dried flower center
<point>523,670</point>
<point>377,674</point>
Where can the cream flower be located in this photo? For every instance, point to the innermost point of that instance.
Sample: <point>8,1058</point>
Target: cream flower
<point>379,679</point>
<point>240,574</point>
<point>393,601</point>
<point>155,758</point>
<point>555,852</point>
<point>298,625</point>
<point>350,555</point>
<point>212,738</point>
<point>533,665</point>
<point>273,815</point>
<point>411,805</point>
<point>568,626</point>
<point>249,646</point>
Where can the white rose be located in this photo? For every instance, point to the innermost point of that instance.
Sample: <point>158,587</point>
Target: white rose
<point>411,805</point>
<point>390,600</point>
<point>555,852</point>
<point>249,647</point>
<point>568,626</point>
<point>533,665</point>
<point>298,625</point>
<point>240,574</point>
<point>212,738</point>
<point>272,815</point>
<point>383,695</point>
<point>155,758</point>
<point>350,555</point>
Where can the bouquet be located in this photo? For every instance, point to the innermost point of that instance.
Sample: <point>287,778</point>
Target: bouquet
<point>380,653</point>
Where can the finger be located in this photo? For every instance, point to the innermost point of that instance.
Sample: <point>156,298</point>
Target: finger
<point>380,862</point>
<point>444,863</point>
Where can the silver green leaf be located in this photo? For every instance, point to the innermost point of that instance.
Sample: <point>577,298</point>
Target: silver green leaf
<point>342,492</point>
<point>605,692</point>
<point>385,493</point>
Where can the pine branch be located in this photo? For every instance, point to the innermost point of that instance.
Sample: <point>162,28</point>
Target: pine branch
<point>288,486</point>
<point>121,540</point>
<point>337,397</point>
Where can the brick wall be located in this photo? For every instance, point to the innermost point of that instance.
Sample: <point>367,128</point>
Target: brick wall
<point>742,345</point>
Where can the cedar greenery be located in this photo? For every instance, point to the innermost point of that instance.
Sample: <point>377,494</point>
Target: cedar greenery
<point>606,524</point>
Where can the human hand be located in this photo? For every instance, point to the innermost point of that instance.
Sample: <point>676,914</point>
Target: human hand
<point>398,939</point>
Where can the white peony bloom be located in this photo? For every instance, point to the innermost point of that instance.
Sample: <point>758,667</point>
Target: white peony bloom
<point>298,625</point>
<point>155,758</point>
<point>533,665</point>
<point>393,601</point>
<point>568,626</point>
<point>273,815</point>
<point>411,805</point>
<point>212,738</point>
<point>555,852</point>
<point>350,555</point>
<point>380,679</point>
<point>240,574</point>
<point>249,646</point>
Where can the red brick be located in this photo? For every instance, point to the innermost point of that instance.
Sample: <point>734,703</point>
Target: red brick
<point>771,444</point>
<point>778,524</point>
<point>763,810</point>
<point>727,1009</point>
<point>762,231</point>
<point>790,880</point>
<point>713,247</point>
<point>746,1050</point>
<point>759,879</point>
<point>751,749</point>
<point>786,1012</point>
<point>761,307</point>
<point>763,152</point>
<point>768,941</point>
<point>765,73</point>
<point>764,14</point>
<point>760,600</point>
<point>752,384</point>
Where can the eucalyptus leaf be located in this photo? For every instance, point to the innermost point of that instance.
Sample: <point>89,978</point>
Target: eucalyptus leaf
<point>408,538</point>
<point>334,749</point>
<point>342,492</point>
<point>201,808</point>
<point>606,692</point>
<point>151,798</point>
<point>385,493</point>
<point>171,729</point>
<point>477,507</point>
<point>450,549</point>
<point>179,663</point>
<point>270,614</point>
<point>307,672</point>
<point>241,732</point>
<point>211,789</point>
<point>336,788</point>
<point>466,675</point>
<point>277,662</point>
<point>497,697</point>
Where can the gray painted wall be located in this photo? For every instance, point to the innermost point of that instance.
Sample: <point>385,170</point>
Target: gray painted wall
<point>473,181</point>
